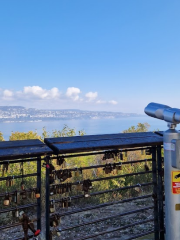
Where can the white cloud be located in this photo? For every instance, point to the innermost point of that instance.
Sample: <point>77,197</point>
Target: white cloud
<point>100,102</point>
<point>113,102</point>
<point>39,92</point>
<point>7,93</point>
<point>73,93</point>
<point>91,96</point>
<point>38,97</point>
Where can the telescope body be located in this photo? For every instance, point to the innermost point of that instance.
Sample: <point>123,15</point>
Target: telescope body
<point>163,112</point>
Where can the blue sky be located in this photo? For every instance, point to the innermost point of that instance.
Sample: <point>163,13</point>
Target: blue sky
<point>96,54</point>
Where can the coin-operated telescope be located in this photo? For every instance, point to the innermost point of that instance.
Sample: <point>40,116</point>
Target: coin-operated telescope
<point>163,112</point>
<point>171,143</point>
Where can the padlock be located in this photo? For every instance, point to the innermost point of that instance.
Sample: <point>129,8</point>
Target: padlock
<point>111,155</point>
<point>22,185</point>
<point>61,175</point>
<point>119,166</point>
<point>55,175</point>
<point>87,185</point>
<point>54,190</point>
<point>10,183</point>
<point>69,174</point>
<point>137,189</point>
<point>51,168</point>
<point>90,184</point>
<point>121,156</point>
<point>62,203</point>
<point>64,188</point>
<point>77,173</point>
<point>104,157</point>
<point>18,197</point>
<point>6,166</point>
<point>17,213</point>
<point>148,151</point>
<point>69,187</point>
<point>107,155</point>
<point>14,198</point>
<point>29,193</point>
<point>142,151</point>
<point>66,202</point>
<point>114,156</point>
<point>58,219</point>
<point>51,179</point>
<point>10,198</point>
<point>98,171</point>
<point>79,186</point>
<point>58,189</point>
<point>69,201</point>
<point>146,167</point>
<point>13,214</point>
<point>86,194</point>
<point>12,180</point>
<point>58,230</point>
<point>64,164</point>
<point>110,168</point>
<point>6,200</point>
<point>58,233</point>
<point>54,221</point>
<point>52,206</point>
<point>105,169</point>
<point>33,194</point>
<point>61,188</point>
<point>24,195</point>
<point>58,161</point>
<point>21,215</point>
<point>53,232</point>
<point>7,182</point>
<point>51,192</point>
<point>31,227</point>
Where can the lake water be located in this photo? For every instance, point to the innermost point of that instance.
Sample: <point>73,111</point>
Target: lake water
<point>98,126</point>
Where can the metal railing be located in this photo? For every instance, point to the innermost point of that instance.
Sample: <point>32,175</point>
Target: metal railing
<point>73,190</point>
<point>55,212</point>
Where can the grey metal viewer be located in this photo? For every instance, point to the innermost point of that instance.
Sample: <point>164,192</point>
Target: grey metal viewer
<point>171,142</point>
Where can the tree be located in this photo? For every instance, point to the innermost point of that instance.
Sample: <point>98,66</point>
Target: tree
<point>24,135</point>
<point>141,127</point>
<point>1,137</point>
<point>65,132</point>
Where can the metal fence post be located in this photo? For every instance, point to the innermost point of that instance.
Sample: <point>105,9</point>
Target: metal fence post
<point>160,193</point>
<point>47,199</point>
<point>154,169</point>
<point>39,188</point>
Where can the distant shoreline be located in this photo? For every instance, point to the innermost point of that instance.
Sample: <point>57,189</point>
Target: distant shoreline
<point>11,120</point>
